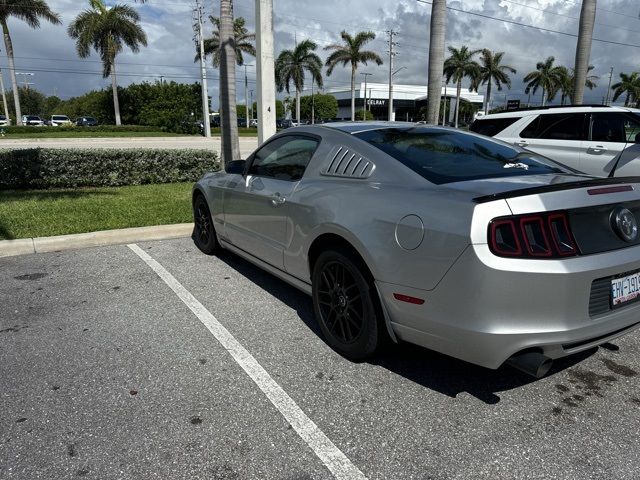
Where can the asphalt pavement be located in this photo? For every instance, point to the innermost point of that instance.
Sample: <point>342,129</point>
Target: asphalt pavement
<point>247,144</point>
<point>114,363</point>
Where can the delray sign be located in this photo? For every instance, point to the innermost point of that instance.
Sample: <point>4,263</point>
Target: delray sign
<point>373,102</point>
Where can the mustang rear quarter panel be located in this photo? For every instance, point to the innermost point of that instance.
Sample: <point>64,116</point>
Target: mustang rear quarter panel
<point>365,212</point>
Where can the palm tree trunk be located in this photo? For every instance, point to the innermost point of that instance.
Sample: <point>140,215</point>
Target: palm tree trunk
<point>8,45</point>
<point>353,93</point>
<point>544,98</point>
<point>583,48</point>
<point>626,100</point>
<point>4,97</point>
<point>114,89</point>
<point>298,107</point>
<point>486,111</point>
<point>436,59</point>
<point>229,124</point>
<point>458,92</point>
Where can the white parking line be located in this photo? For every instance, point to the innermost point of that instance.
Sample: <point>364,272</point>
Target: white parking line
<point>330,455</point>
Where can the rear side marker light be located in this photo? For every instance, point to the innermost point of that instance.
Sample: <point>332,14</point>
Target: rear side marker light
<point>544,235</point>
<point>408,299</point>
<point>605,190</point>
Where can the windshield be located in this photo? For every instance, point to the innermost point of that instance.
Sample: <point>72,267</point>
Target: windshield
<point>60,117</point>
<point>444,156</point>
<point>32,117</point>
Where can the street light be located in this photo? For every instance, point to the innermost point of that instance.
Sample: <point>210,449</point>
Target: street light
<point>391,92</point>
<point>364,110</point>
<point>246,96</point>
<point>26,74</point>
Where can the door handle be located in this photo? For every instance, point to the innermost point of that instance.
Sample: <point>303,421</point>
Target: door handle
<point>277,200</point>
<point>596,150</point>
<point>521,143</point>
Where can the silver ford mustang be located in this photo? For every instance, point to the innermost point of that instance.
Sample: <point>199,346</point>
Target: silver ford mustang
<point>446,239</point>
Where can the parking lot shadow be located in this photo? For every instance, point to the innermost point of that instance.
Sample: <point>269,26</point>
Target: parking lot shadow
<point>430,369</point>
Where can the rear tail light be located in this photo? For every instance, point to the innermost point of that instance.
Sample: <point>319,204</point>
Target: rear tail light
<point>544,235</point>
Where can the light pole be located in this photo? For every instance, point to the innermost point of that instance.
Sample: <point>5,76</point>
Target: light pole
<point>26,74</point>
<point>265,70</point>
<point>606,102</point>
<point>251,107</point>
<point>364,110</point>
<point>246,97</point>
<point>391,75</point>
<point>206,120</point>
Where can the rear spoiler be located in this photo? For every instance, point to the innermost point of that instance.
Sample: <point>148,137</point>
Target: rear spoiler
<point>558,187</point>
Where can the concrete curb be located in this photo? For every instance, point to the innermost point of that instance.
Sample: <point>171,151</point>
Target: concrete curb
<point>75,241</point>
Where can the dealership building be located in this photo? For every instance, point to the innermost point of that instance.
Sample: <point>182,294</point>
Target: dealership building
<point>407,100</point>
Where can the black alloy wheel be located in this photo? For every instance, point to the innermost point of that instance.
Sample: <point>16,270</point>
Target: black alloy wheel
<point>204,235</point>
<point>344,302</point>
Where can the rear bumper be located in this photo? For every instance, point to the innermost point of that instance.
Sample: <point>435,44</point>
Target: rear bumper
<point>488,308</point>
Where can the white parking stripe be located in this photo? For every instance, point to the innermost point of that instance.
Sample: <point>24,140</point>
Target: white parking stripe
<point>332,457</point>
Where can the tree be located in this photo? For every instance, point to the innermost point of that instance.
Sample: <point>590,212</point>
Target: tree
<point>325,106</point>
<point>492,71</point>
<point>583,49</point>
<point>547,77</point>
<point>291,66</point>
<point>350,53</point>
<point>436,59</point>
<point>243,39</point>
<point>31,100</point>
<point>629,85</point>
<point>108,30</point>
<point>459,66</point>
<point>228,114</point>
<point>30,11</point>
<point>364,115</point>
<point>567,82</point>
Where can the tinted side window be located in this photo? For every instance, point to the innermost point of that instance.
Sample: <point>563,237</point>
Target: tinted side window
<point>492,126</point>
<point>443,156</point>
<point>557,126</point>
<point>614,127</point>
<point>285,158</point>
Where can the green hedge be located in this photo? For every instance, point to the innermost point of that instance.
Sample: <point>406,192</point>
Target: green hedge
<point>99,128</point>
<point>69,168</point>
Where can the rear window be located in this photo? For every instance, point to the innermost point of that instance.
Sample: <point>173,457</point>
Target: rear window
<point>557,126</point>
<point>444,156</point>
<point>492,126</point>
<point>59,117</point>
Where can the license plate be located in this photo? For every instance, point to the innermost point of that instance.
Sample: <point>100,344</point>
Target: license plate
<point>625,289</point>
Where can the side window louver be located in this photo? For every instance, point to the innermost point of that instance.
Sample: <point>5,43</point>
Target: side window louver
<point>343,163</point>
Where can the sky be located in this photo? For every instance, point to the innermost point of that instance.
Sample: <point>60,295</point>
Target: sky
<point>49,54</point>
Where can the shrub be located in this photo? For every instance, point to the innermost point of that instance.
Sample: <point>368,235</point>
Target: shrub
<point>69,168</point>
<point>100,128</point>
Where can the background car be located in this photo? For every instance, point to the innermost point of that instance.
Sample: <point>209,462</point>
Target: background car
<point>32,120</point>
<point>4,121</point>
<point>282,123</point>
<point>59,120</point>
<point>588,138</point>
<point>435,236</point>
<point>86,122</point>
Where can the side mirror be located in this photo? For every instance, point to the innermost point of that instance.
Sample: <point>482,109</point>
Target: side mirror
<point>236,166</point>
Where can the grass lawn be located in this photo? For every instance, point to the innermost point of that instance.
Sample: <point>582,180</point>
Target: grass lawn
<point>81,134</point>
<point>41,213</point>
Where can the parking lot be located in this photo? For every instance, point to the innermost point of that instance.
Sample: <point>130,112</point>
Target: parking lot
<point>155,361</point>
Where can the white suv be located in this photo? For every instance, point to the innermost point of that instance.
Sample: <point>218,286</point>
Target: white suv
<point>59,120</point>
<point>588,138</point>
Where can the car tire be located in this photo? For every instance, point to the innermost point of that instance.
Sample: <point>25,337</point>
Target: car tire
<point>346,305</point>
<point>204,234</point>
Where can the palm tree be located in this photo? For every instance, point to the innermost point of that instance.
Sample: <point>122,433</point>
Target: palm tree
<point>30,11</point>
<point>291,66</point>
<point>629,84</point>
<point>547,76</point>
<point>567,82</point>
<point>583,48</point>
<point>350,52</point>
<point>244,42</point>
<point>436,59</point>
<point>491,71</point>
<point>459,66</point>
<point>229,115</point>
<point>108,30</point>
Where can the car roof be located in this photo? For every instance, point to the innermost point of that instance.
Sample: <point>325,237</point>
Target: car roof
<point>356,127</point>
<point>554,109</point>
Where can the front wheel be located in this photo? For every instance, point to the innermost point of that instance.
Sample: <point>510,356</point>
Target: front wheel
<point>345,305</point>
<point>204,235</point>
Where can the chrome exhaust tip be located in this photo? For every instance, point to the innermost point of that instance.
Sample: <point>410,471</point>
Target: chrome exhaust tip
<point>533,363</point>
